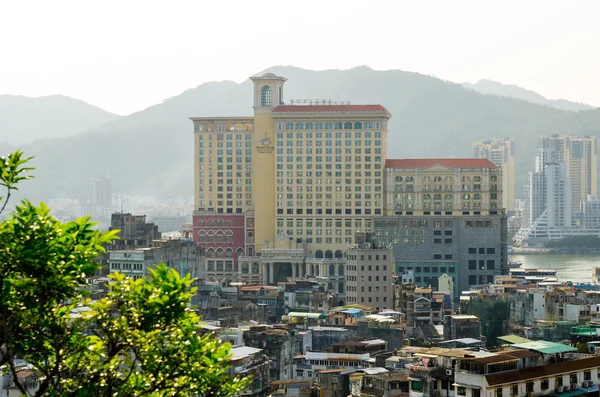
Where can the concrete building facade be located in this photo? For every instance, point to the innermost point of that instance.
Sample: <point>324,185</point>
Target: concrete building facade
<point>502,153</point>
<point>369,271</point>
<point>444,216</point>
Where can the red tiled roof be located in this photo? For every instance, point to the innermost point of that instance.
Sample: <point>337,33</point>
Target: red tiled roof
<point>427,163</point>
<point>329,108</point>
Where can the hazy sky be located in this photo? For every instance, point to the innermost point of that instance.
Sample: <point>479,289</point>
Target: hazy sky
<point>126,55</point>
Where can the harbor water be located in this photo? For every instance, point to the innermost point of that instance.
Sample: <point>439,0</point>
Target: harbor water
<point>569,267</point>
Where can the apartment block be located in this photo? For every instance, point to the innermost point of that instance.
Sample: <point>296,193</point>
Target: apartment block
<point>502,153</point>
<point>369,280</point>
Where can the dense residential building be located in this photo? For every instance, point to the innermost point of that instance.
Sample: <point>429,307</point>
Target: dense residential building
<point>100,192</point>
<point>309,171</point>
<point>251,361</point>
<point>369,271</point>
<point>502,375</point>
<point>561,192</point>
<point>445,216</point>
<point>502,153</point>
<point>181,255</point>
<point>580,157</point>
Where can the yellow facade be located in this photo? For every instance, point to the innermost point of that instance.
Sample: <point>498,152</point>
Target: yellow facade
<point>444,190</point>
<point>316,171</point>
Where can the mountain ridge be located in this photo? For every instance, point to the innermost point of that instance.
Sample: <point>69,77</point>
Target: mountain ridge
<point>486,86</point>
<point>151,151</point>
<point>24,119</point>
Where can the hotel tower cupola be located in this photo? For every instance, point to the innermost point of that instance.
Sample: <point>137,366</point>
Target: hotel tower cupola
<point>268,91</point>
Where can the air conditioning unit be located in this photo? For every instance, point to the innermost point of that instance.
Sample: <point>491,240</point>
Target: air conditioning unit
<point>558,389</point>
<point>449,372</point>
<point>574,386</point>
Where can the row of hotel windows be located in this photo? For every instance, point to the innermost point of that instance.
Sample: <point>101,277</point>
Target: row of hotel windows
<point>329,211</point>
<point>209,127</point>
<point>326,174</point>
<point>447,206</point>
<point>221,160</point>
<point>329,143</point>
<point>328,223</point>
<point>228,167</point>
<point>338,151</point>
<point>329,166</point>
<point>328,159</point>
<point>338,125</point>
<point>316,232</point>
<point>227,137</point>
<point>328,135</point>
<point>438,179</point>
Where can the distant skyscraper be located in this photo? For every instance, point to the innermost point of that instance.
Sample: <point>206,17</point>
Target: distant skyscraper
<point>100,192</point>
<point>581,160</point>
<point>501,153</point>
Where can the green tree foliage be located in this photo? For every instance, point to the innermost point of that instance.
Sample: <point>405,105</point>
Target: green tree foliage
<point>141,340</point>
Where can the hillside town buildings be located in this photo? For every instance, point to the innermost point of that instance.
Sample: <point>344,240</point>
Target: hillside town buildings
<point>561,194</point>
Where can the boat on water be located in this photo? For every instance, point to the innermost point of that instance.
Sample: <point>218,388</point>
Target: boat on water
<point>547,275</point>
<point>514,265</point>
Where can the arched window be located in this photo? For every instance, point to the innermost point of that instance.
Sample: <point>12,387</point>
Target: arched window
<point>340,288</point>
<point>448,197</point>
<point>331,270</point>
<point>319,254</point>
<point>437,197</point>
<point>347,125</point>
<point>219,252</point>
<point>248,127</point>
<point>299,126</point>
<point>312,269</point>
<point>308,126</point>
<point>266,96</point>
<point>289,126</point>
<point>317,270</point>
<point>476,196</point>
<point>340,270</point>
<point>328,125</point>
<point>329,254</point>
<point>240,252</point>
<point>476,179</point>
<point>398,179</point>
<point>338,254</point>
<point>245,268</point>
<point>255,268</point>
<point>318,126</point>
<point>358,125</point>
<point>228,252</point>
<point>210,252</point>
<point>338,125</point>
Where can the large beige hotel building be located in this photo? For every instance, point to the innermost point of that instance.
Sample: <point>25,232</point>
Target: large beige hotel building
<point>296,180</point>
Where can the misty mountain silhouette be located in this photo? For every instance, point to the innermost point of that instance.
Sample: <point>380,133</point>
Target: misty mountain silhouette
<point>151,151</point>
